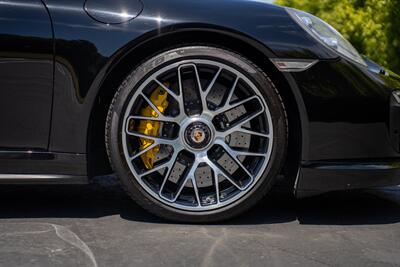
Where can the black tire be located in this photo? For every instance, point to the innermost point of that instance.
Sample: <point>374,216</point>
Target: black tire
<point>118,107</point>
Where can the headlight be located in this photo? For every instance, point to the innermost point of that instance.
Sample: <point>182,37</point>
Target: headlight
<point>326,34</point>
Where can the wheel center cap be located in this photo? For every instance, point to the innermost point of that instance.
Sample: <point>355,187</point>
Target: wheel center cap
<point>198,135</point>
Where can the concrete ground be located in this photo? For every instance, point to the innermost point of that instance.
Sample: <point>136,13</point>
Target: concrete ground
<point>97,225</point>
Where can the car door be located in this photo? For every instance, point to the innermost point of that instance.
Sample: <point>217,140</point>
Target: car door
<point>26,74</point>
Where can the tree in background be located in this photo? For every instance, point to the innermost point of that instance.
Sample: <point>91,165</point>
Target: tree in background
<point>372,26</point>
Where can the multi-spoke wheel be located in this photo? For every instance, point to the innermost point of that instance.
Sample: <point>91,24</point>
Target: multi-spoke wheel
<point>197,134</point>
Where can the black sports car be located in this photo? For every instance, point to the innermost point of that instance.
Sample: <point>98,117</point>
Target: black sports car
<point>196,105</point>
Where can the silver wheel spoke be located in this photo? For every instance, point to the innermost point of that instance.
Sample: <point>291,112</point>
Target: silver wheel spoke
<point>189,176</point>
<point>216,181</point>
<point>196,190</point>
<point>157,119</point>
<point>228,99</point>
<point>233,154</point>
<point>219,171</point>
<point>236,153</point>
<point>169,91</point>
<point>159,140</point>
<point>152,170</point>
<point>169,167</point>
<point>151,104</point>
<point>202,98</point>
<point>211,85</point>
<point>150,147</point>
<point>250,154</point>
<point>229,106</point>
<point>205,93</point>
<point>246,131</point>
<point>178,98</point>
<point>238,126</point>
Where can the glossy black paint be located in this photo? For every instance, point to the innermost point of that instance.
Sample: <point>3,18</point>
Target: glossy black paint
<point>348,111</point>
<point>113,11</point>
<point>26,74</point>
<point>88,50</point>
<point>343,108</point>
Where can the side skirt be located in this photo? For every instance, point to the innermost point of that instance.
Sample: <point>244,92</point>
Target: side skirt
<point>31,167</point>
<point>324,176</point>
<point>41,179</point>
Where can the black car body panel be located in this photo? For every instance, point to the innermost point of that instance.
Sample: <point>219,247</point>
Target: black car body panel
<point>78,47</point>
<point>113,12</point>
<point>26,74</point>
<point>91,49</point>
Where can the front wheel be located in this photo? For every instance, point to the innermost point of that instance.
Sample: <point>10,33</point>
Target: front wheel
<point>197,134</point>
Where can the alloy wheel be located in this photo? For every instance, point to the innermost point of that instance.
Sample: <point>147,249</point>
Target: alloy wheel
<point>206,144</point>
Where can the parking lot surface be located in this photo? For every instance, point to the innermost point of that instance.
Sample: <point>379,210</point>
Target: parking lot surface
<point>97,225</point>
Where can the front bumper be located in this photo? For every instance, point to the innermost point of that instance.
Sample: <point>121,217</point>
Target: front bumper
<point>353,128</point>
<point>316,177</point>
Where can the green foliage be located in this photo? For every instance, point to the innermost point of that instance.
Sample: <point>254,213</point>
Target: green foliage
<point>372,26</point>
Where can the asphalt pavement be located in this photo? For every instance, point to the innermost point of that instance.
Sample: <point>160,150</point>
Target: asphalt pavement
<point>97,225</point>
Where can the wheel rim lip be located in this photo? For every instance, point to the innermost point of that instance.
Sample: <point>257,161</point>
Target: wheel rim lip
<point>205,115</point>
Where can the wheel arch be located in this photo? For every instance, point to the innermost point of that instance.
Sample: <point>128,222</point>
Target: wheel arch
<point>132,56</point>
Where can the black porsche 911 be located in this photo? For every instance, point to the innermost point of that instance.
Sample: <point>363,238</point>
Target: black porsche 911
<point>197,105</point>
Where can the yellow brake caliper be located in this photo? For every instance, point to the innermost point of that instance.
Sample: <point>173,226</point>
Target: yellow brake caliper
<point>159,98</point>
